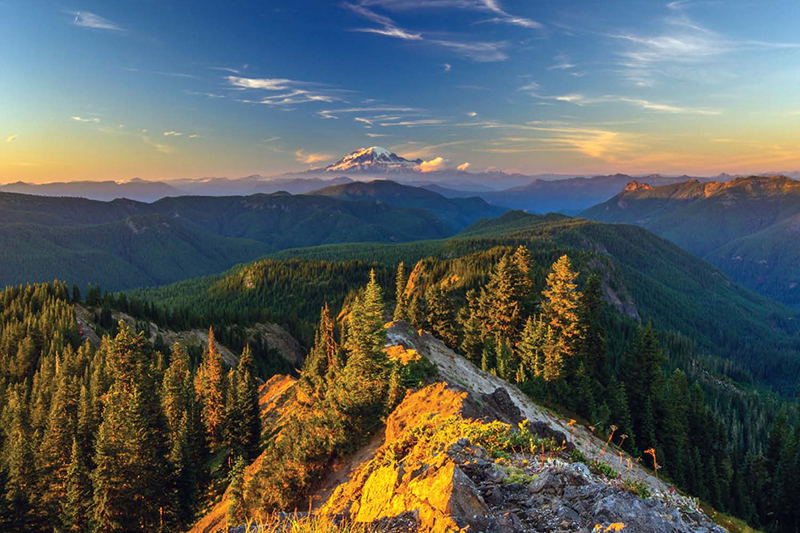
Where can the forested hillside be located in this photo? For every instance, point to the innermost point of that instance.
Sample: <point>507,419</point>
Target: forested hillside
<point>748,227</point>
<point>643,276</point>
<point>124,244</point>
<point>456,213</point>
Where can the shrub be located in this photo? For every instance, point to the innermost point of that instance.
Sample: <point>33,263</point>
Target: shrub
<point>599,467</point>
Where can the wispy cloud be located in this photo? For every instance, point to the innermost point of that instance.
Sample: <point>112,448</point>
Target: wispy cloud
<point>378,135</point>
<point>414,123</point>
<point>291,91</point>
<point>363,120</point>
<point>387,25</point>
<point>83,119</point>
<point>334,113</point>
<point>163,148</point>
<point>447,67</point>
<point>86,19</point>
<point>476,50</point>
<point>483,52</point>
<point>684,48</point>
<point>492,7</point>
<point>562,63</point>
<point>583,100</point>
<point>11,138</point>
<point>172,133</point>
<point>472,114</point>
<point>163,73</point>
<point>311,158</point>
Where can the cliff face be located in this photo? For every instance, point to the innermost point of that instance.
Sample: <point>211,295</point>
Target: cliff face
<point>470,450</point>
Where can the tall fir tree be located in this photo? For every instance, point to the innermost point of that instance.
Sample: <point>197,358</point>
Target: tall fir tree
<point>76,505</point>
<point>441,319</point>
<point>560,308</point>
<point>249,422</point>
<point>401,305</point>
<point>210,384</point>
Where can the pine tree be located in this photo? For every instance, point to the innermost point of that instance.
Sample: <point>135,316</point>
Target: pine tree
<point>365,334</point>
<point>645,383</point>
<point>592,346</point>
<point>396,388</point>
<point>75,507</point>
<point>179,405</point>
<point>210,386</point>
<point>440,315</point>
<point>249,422</point>
<point>400,309</point>
<point>552,356</point>
<point>488,355</point>
<point>523,284</point>
<point>531,347</point>
<point>471,344</point>
<point>500,308</point>
<point>57,443</point>
<point>560,308</point>
<point>416,312</point>
<point>19,467</point>
<point>504,357</point>
<point>236,512</point>
<point>361,393</point>
<point>130,451</point>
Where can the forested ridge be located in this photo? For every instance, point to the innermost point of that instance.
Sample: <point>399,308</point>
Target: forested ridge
<point>527,302</point>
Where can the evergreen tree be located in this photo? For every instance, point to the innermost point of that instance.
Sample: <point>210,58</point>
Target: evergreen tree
<point>531,347</point>
<point>645,384</point>
<point>249,422</point>
<point>416,312</point>
<point>500,307</point>
<point>504,357</point>
<point>362,391</point>
<point>471,344</point>
<point>401,309</point>
<point>130,452</point>
<point>19,467</point>
<point>76,294</point>
<point>440,315</point>
<point>560,309</point>
<point>75,507</point>
<point>236,511</point>
<point>210,386</point>
<point>591,345</point>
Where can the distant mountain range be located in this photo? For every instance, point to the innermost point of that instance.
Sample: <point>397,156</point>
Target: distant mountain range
<point>456,213</point>
<point>748,227</point>
<point>124,243</point>
<point>542,193</point>
<point>569,195</point>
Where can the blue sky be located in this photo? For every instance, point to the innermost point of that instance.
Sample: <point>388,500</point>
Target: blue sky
<point>162,90</point>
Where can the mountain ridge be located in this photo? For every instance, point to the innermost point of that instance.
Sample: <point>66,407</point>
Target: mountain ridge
<point>739,225</point>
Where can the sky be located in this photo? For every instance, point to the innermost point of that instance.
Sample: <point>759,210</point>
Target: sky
<point>159,89</point>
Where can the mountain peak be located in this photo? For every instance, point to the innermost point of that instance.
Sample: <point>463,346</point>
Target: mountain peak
<point>637,186</point>
<point>373,160</point>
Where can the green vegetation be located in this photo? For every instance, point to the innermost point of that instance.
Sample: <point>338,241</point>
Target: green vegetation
<point>599,467</point>
<point>125,244</point>
<point>114,438</point>
<point>455,213</point>
<point>747,227</point>
<point>736,332</point>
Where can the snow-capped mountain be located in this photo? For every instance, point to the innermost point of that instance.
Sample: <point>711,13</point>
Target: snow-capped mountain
<point>373,160</point>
